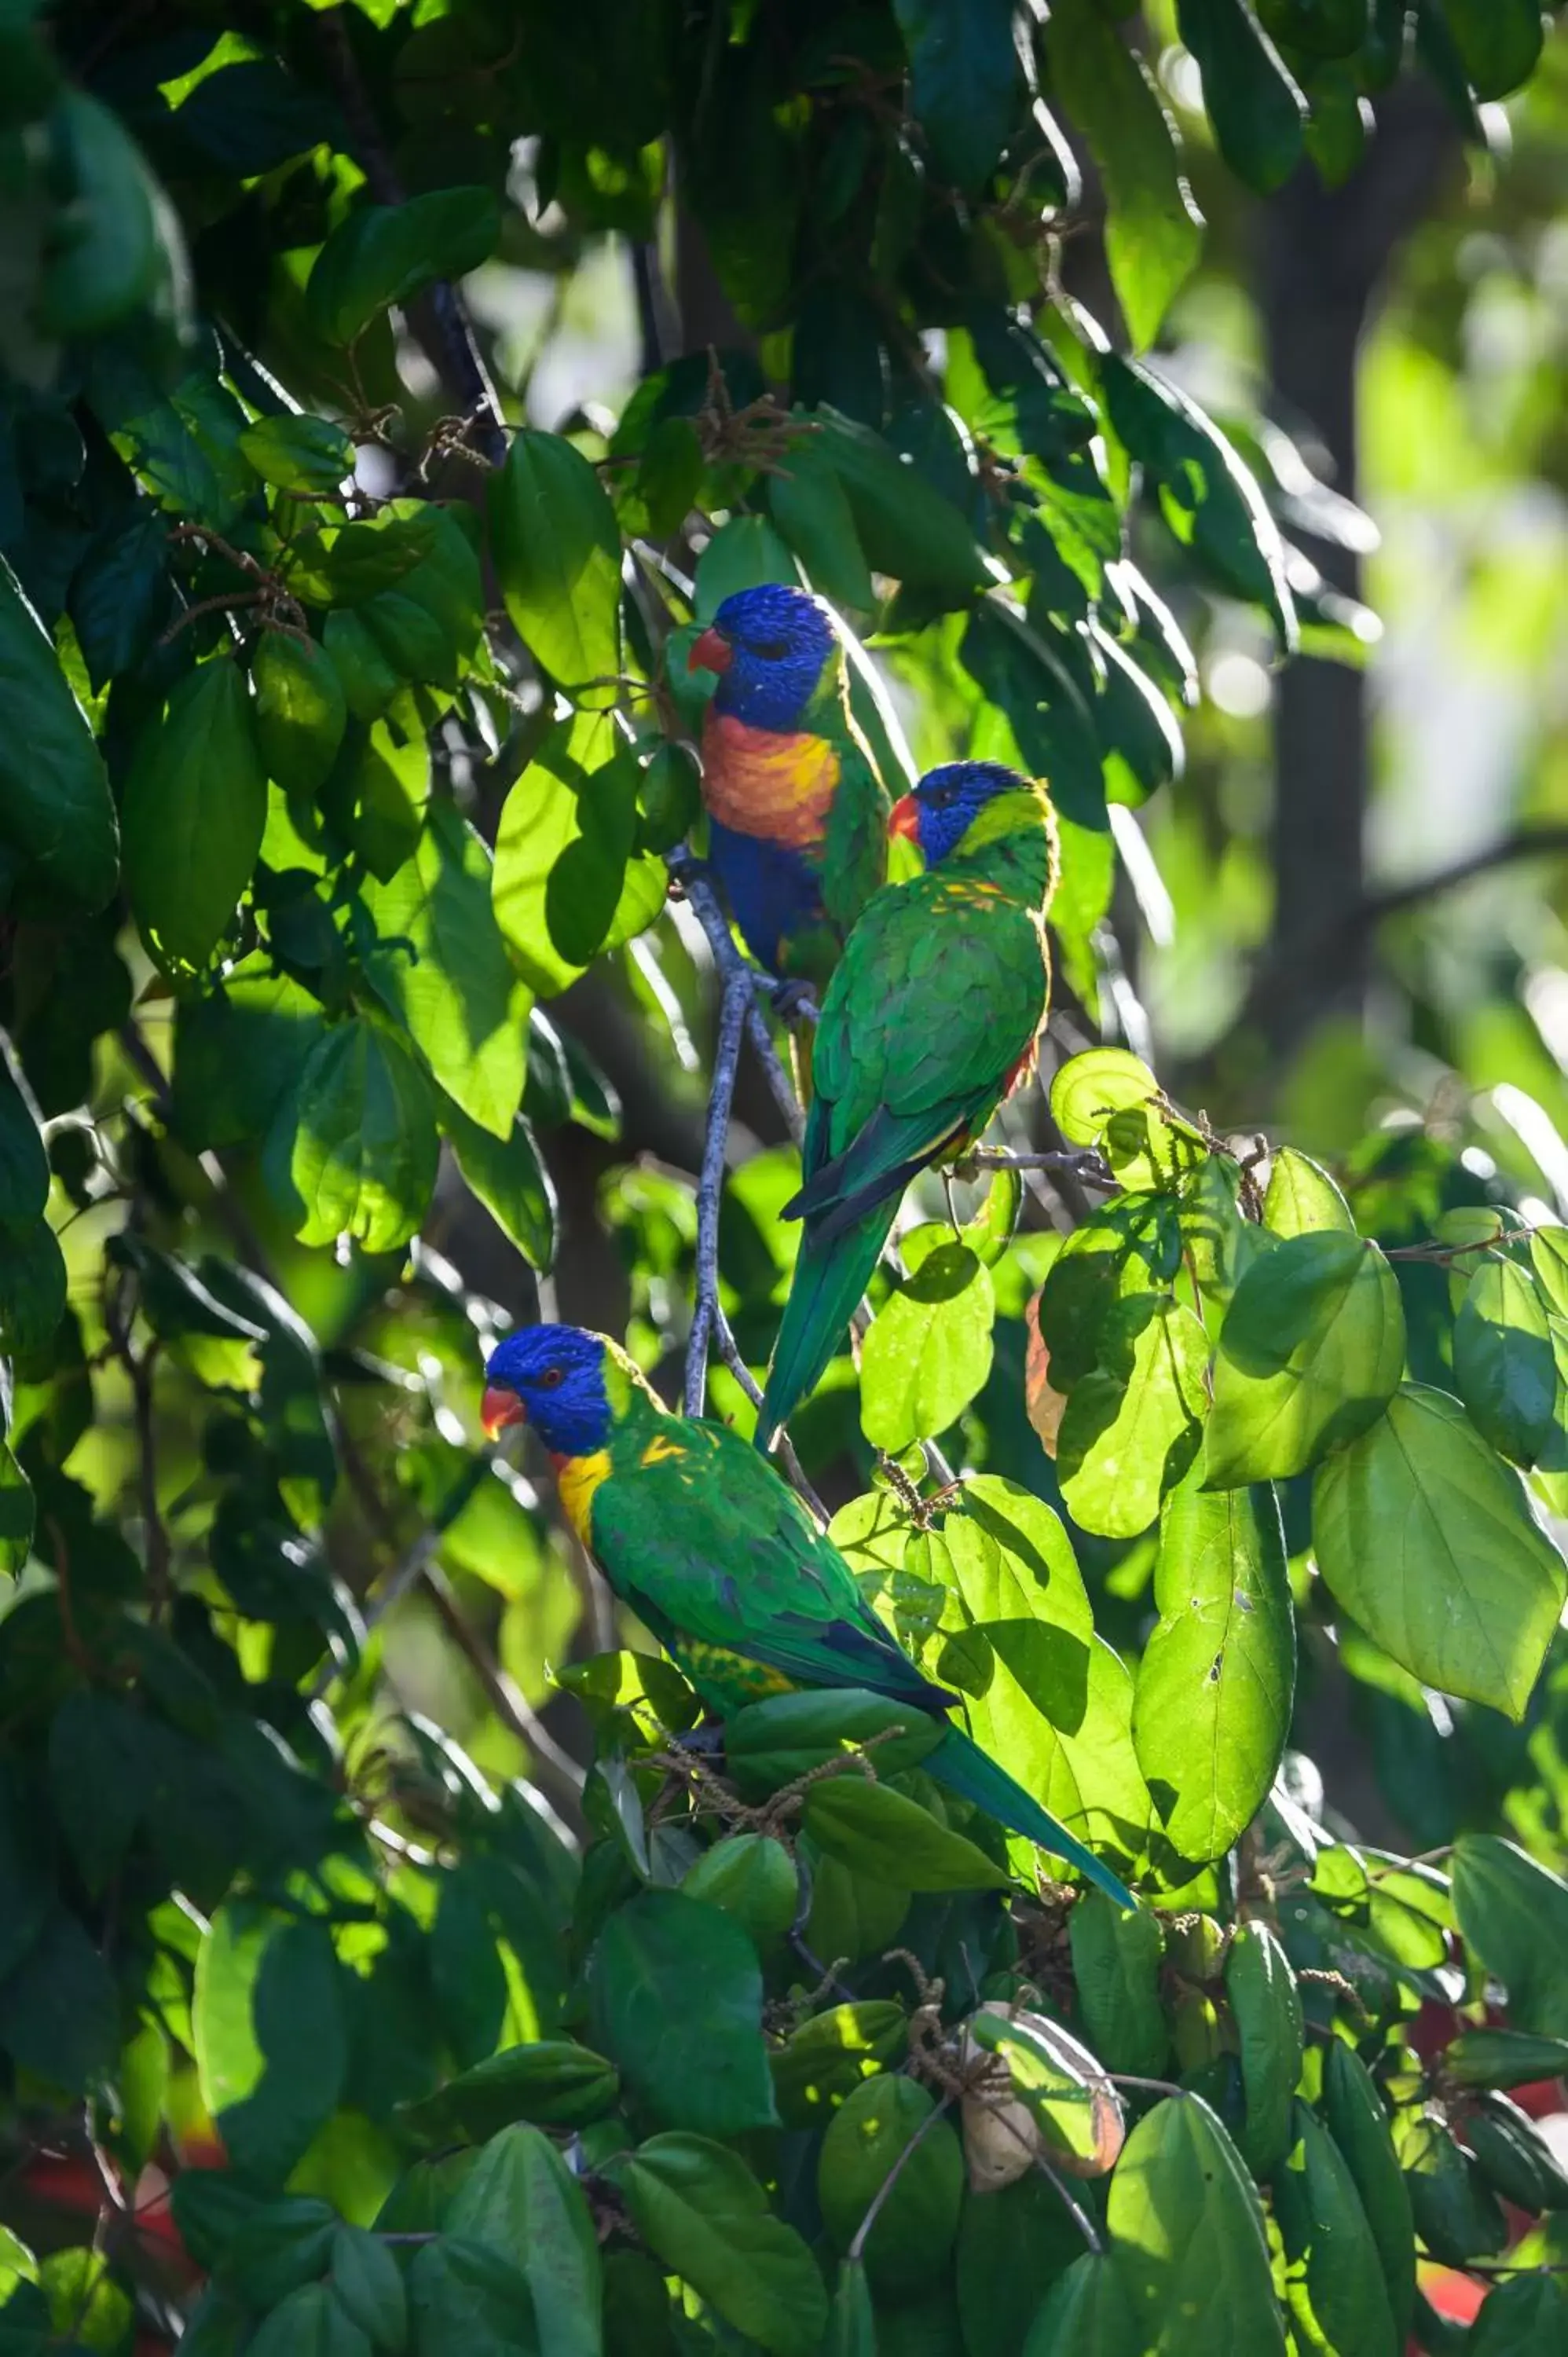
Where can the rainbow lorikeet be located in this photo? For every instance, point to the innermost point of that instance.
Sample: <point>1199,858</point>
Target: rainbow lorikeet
<point>797,813</point>
<point>718,1557</point>
<point>928,1022</point>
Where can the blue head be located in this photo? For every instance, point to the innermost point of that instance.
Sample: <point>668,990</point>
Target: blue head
<point>769,647</point>
<point>942,808</point>
<point>553,1378</point>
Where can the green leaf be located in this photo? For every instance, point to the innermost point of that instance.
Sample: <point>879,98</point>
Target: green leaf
<point>1504,1367</point>
<point>772,1743</point>
<point>1339,2294</point>
<point>1310,1355</point>
<point>567,883</point>
<point>1216,1684</point>
<point>271,2034</point>
<point>1056,1702</point>
<point>1426,1538</point>
<point>1504,2057</point>
<point>237,1052</point>
<point>56,813</point>
<point>1301,1197</point>
<point>1266,2008</point>
<point>1089,1090</point>
<point>354,1150</point>
<point>32,1287</point>
<point>1499,42</point>
<point>89,2307</point>
<point>465,2295</point>
<point>58,2010</point>
<point>1356,2121</point>
<point>521,2200</point>
<point>827,2058</point>
<point>556,547</point>
<point>905,526</point>
<point>308,2323</point>
<point>1456,2215</point>
<point>1186,2237</point>
<point>1087,2314</point>
<point>1210,499</point>
<point>964,82</point>
<point>912,2235</point>
<point>119,593</point>
<point>442,968</point>
<point>1134,1424</point>
<point>17,1515</point>
<point>1549,1258</point>
<point>24,1160</point>
<point>811,507</point>
<point>549,2082</point>
<point>101,1775</point>
<point>1513,1913</point>
<point>929,1350</point>
<point>852,2322</point>
<point>508,1177</point>
<point>1154,231</point>
<point>1013,2246</point>
<point>1116,1957</point>
<point>873,1830</point>
<point>300,711</point>
<point>1526,2316</point>
<point>1254,105</point>
<point>700,2210</point>
<point>383,255</point>
<point>1059,2083</point>
<point>103,256</point>
<point>194,815</point>
<point>676,1998</point>
<point>298,454</point>
<point>367,2283</point>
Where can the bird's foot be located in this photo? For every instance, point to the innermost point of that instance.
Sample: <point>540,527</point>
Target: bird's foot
<point>793,1001</point>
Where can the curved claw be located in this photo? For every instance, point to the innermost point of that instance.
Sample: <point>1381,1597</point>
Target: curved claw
<point>793,1000</point>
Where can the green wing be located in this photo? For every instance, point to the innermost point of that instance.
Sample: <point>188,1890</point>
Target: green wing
<point>704,1542</point>
<point>940,992</point>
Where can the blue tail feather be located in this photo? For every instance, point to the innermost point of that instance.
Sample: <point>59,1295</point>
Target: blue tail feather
<point>965,1769</point>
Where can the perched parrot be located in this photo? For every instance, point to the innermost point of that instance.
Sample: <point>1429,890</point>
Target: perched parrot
<point>718,1557</point>
<point>928,1022</point>
<point>797,813</point>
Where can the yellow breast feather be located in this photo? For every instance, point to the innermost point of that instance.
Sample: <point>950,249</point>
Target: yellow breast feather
<point>576,1479</point>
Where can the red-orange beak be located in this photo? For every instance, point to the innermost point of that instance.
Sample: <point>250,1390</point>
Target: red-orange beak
<point>904,819</point>
<point>500,1407</point>
<point>712,651</point>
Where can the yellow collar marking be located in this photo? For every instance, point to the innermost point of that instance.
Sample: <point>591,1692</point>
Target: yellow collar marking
<point>576,1479</point>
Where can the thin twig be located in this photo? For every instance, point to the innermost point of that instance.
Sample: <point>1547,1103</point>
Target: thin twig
<point>1075,2210</point>
<point>693,878</point>
<point>857,2247</point>
<point>1088,1168</point>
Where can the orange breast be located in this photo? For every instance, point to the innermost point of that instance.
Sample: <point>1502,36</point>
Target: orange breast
<point>767,782</point>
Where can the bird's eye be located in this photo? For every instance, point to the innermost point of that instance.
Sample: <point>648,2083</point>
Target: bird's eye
<point>770,649</point>
<point>550,1379</point>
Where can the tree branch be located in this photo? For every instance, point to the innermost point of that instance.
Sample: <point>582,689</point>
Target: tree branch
<point>455,355</point>
<point>733,1008</point>
<point>1524,842</point>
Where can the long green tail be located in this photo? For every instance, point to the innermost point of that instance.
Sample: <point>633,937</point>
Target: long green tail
<point>829,1281</point>
<point>974,1776</point>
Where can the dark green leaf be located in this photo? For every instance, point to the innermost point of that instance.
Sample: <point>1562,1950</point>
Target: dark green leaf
<point>1426,1538</point>
<point>551,2082</point>
<point>1513,1913</point>
<point>876,1831</point>
<point>1187,2234</point>
<point>1087,2314</point>
<point>367,2285</point>
<point>1116,1966</point>
<point>24,1162</point>
<point>676,1997</point>
<point>1359,2126</point>
<point>963,82</point>
<point>59,2012</point>
<point>521,2200</point>
<point>1266,2008</point>
<point>1340,2293</point>
<point>465,2295</point>
<point>1154,231</point>
<point>700,2210</point>
<point>384,253</point>
<point>508,1177</point>
<point>1253,103</point>
<point>195,809</point>
<point>557,556</point>
<point>56,814</point>
<point>827,2058</point>
<point>915,2223</point>
<point>1499,42</point>
<point>905,527</point>
<point>271,2036</point>
<point>300,711</point>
